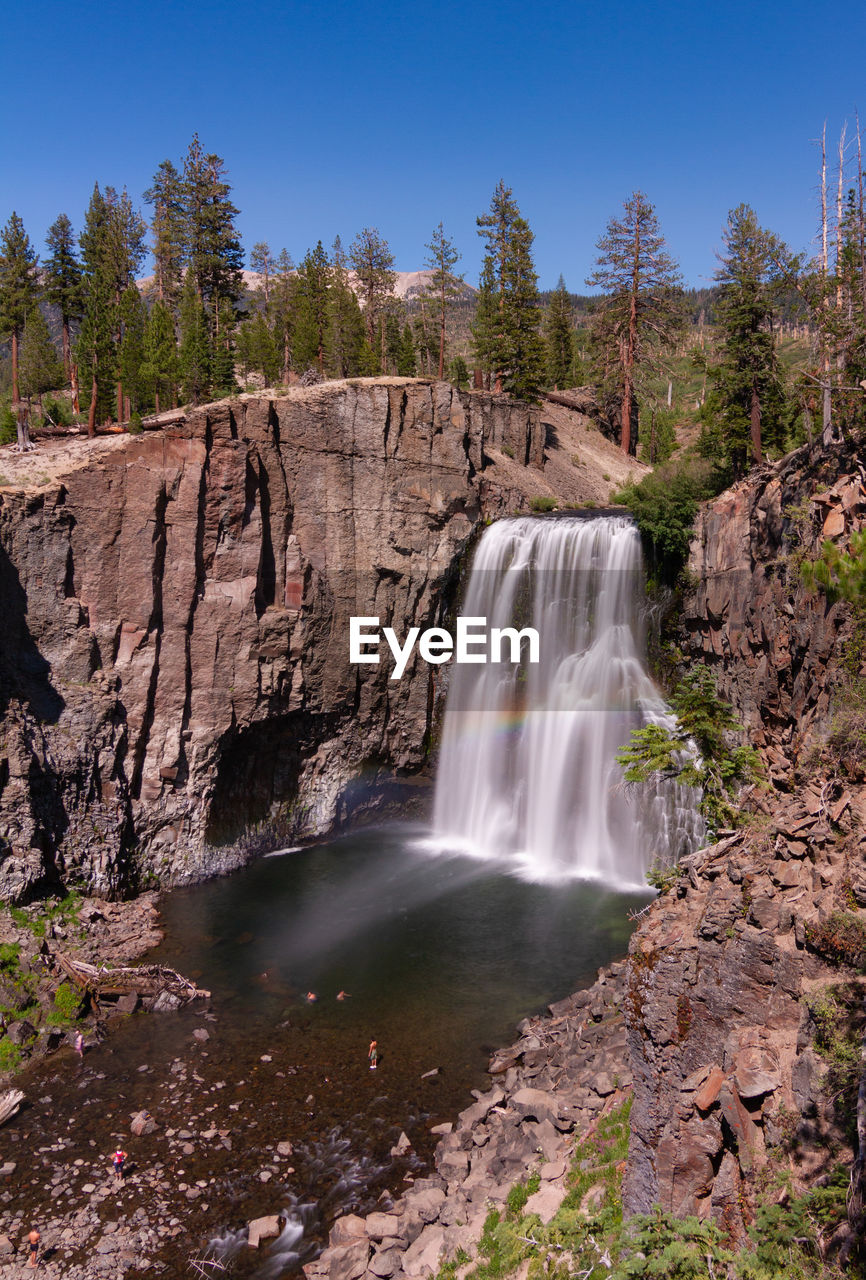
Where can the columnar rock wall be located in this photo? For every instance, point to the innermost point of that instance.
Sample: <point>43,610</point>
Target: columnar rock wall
<point>774,646</point>
<point>174,673</point>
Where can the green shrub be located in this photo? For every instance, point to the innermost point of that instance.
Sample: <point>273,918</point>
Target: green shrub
<point>706,721</point>
<point>134,427</point>
<point>542,504</point>
<point>8,426</point>
<point>10,953</point>
<point>841,575</point>
<point>664,506</point>
<point>841,938</point>
<point>67,1002</point>
<point>10,1055</point>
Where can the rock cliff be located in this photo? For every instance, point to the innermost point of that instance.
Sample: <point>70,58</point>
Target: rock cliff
<point>726,974</point>
<point>175,674</point>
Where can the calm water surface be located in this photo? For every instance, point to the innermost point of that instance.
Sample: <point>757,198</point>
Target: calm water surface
<point>440,957</point>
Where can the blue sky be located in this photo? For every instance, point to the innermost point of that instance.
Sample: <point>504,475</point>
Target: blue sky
<point>336,116</point>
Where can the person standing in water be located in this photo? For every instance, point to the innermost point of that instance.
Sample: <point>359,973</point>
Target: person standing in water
<point>373,1055</point>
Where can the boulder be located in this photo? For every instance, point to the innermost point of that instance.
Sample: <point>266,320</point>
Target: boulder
<point>263,1229</point>
<point>142,1122</point>
<point>424,1256</point>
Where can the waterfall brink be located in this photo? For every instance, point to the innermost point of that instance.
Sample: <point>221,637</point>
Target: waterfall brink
<point>528,765</point>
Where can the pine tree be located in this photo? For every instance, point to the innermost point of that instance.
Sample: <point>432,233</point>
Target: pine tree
<point>748,395</point>
<point>40,368</point>
<point>112,247</point>
<point>345,322</point>
<point>505,335</point>
<point>18,288</point>
<point>213,247</point>
<point>131,353</point>
<point>558,337</point>
<point>485,329</point>
<point>640,312</point>
<point>262,262</point>
<point>406,354</point>
<point>283,310</point>
<point>96,349</point>
<point>223,353</point>
<point>257,350</point>
<point>373,264</point>
<point>525,371</point>
<point>311,317</point>
<point>63,280</point>
<point>166,194</point>
<point>444,285</point>
<point>194,356</point>
<point>159,367</point>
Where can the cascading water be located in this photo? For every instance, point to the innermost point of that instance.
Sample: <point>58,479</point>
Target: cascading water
<point>528,761</point>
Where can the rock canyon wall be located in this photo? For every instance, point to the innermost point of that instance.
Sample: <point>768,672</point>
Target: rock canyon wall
<point>174,674</point>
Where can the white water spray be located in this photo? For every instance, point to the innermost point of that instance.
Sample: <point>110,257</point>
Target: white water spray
<point>528,762</point>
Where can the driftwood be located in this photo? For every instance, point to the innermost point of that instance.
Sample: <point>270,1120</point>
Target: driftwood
<point>148,980</point>
<point>171,418</point>
<point>9,1104</point>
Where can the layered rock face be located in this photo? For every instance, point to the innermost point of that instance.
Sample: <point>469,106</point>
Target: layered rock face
<point>175,669</point>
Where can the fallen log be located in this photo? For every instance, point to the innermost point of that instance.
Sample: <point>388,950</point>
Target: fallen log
<point>150,981</point>
<point>171,418</point>
<point>581,399</point>
<point>9,1104</point>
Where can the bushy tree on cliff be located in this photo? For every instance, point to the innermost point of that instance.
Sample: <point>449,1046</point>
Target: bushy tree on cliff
<point>63,281</point>
<point>746,406</point>
<point>444,285</point>
<point>19,289</point>
<point>505,336</point>
<point>640,312</point>
<point>373,264</point>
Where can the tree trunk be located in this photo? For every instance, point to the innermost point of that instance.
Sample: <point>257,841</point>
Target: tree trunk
<point>91,414</point>
<point>755,424</point>
<point>625,440</point>
<point>442,337</point>
<point>119,400</point>
<point>67,350</point>
<point>15,396</point>
<point>73,378</point>
<point>826,410</point>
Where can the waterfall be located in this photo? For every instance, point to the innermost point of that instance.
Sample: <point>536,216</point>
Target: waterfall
<point>528,766</point>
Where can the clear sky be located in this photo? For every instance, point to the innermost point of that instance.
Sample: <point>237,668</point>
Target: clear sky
<point>335,116</point>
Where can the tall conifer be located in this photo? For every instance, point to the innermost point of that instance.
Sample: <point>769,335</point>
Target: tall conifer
<point>18,287</point>
<point>63,280</point>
